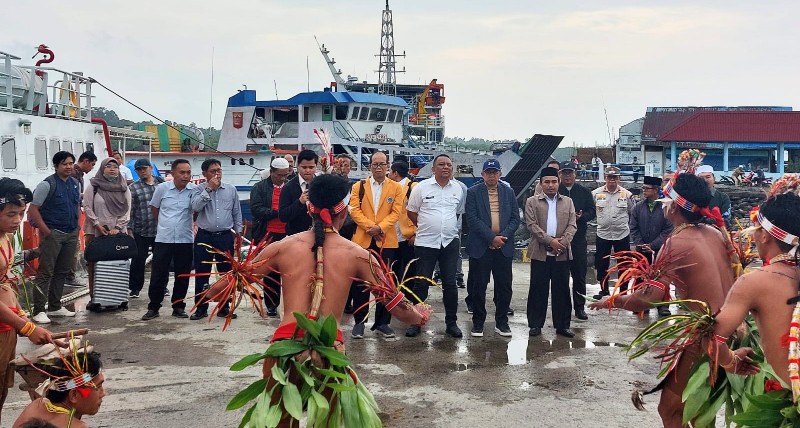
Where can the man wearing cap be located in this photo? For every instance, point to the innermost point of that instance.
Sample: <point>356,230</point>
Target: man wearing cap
<point>492,216</point>
<point>264,204</point>
<point>143,224</point>
<point>718,199</point>
<point>649,227</point>
<point>550,218</point>
<point>584,213</point>
<point>613,205</point>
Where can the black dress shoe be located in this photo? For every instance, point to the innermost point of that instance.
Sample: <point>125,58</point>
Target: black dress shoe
<point>452,330</point>
<point>224,313</point>
<point>603,293</point>
<point>535,331</point>
<point>413,331</point>
<point>565,332</point>
<point>663,311</point>
<point>150,315</point>
<point>510,312</point>
<point>198,316</point>
<point>179,313</point>
<point>272,312</point>
<point>581,314</point>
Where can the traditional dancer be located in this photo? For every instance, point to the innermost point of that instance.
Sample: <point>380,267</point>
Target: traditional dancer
<point>14,197</point>
<point>772,295</point>
<point>74,389</point>
<point>305,367</point>
<point>697,258</point>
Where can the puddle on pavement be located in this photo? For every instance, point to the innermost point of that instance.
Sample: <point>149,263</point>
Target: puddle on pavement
<point>517,350</point>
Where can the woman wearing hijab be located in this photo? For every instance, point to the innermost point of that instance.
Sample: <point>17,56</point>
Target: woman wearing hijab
<point>107,205</point>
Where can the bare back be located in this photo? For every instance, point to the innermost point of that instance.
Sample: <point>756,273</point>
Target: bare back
<point>37,410</point>
<point>702,264</point>
<point>293,258</point>
<point>768,290</point>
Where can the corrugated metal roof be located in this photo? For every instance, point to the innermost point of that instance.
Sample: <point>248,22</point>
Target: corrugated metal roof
<point>660,120</point>
<point>738,126</point>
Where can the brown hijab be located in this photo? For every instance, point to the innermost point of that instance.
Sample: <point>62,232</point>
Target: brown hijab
<point>113,191</point>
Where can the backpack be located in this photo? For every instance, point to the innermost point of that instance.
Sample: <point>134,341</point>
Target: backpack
<point>51,181</point>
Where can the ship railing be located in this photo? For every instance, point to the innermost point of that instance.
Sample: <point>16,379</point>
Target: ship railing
<point>344,133</point>
<point>71,94</point>
<point>7,89</point>
<point>427,120</point>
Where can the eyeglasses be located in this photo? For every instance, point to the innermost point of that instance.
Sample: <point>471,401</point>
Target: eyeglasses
<point>648,188</point>
<point>379,165</point>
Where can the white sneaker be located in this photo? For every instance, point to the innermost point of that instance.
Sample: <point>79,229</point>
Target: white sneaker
<point>41,318</point>
<point>63,312</point>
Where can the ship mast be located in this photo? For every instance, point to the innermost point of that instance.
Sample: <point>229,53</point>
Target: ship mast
<point>337,74</point>
<point>387,62</point>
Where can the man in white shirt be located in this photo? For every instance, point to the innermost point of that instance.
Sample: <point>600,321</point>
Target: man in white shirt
<point>435,207</point>
<point>124,171</point>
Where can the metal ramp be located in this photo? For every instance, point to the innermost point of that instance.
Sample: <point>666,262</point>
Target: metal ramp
<point>533,156</point>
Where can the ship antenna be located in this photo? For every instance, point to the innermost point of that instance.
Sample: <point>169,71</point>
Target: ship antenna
<point>211,106</point>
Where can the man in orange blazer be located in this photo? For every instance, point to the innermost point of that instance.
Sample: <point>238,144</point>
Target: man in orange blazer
<point>375,207</point>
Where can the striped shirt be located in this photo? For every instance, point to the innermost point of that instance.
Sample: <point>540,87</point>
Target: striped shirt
<point>142,221</point>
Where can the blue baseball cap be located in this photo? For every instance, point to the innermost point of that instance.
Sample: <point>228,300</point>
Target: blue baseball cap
<point>491,164</point>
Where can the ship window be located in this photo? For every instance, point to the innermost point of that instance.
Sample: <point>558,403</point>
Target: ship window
<point>364,113</point>
<point>392,114</point>
<point>9,152</point>
<point>399,117</point>
<point>233,161</point>
<point>78,148</point>
<point>66,145</point>
<point>378,114</point>
<point>341,112</point>
<point>40,152</point>
<point>53,148</point>
<point>354,116</point>
<point>90,147</point>
<point>250,161</point>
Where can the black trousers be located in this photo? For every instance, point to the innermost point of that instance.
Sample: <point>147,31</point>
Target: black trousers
<point>402,258</point>
<point>164,255</point>
<point>272,295</point>
<point>203,260</point>
<point>577,269</point>
<point>361,295</point>
<point>601,261</point>
<point>136,275</point>
<point>497,265</point>
<point>545,276</point>
<point>448,257</point>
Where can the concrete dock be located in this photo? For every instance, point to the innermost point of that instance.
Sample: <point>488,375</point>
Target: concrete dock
<point>172,372</point>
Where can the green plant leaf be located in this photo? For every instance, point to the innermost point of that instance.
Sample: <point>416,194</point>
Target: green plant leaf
<point>329,329</point>
<point>247,394</point>
<point>247,361</point>
<point>331,373</point>
<point>304,372</point>
<point>707,417</point>
<point>246,417</point>
<point>334,357</point>
<point>352,416</point>
<point>285,348</point>
<point>279,375</point>
<point>292,402</point>
<point>310,327</point>
<point>338,387</point>
<point>311,414</point>
<point>273,416</point>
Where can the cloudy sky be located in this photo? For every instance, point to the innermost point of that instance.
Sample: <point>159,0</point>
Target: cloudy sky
<point>511,68</point>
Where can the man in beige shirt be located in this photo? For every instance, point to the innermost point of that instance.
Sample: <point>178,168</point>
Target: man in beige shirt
<point>613,205</point>
<point>550,218</point>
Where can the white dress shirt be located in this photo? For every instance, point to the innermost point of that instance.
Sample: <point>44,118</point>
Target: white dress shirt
<point>377,188</point>
<point>552,220</point>
<point>438,211</point>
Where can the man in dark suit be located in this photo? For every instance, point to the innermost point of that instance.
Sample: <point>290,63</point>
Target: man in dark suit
<point>493,217</point>
<point>292,204</point>
<point>584,213</point>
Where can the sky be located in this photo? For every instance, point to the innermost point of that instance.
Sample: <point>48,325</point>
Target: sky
<point>511,68</point>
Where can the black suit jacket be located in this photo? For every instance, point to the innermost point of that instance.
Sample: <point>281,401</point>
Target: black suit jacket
<point>261,207</point>
<point>479,219</point>
<point>291,211</point>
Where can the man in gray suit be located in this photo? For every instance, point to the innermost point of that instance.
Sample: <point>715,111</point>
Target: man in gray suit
<point>493,217</point>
